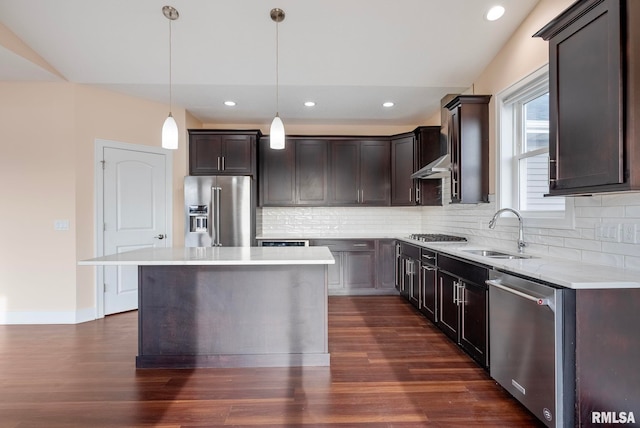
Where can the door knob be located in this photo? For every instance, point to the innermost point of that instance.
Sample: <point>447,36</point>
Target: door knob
<point>161,236</point>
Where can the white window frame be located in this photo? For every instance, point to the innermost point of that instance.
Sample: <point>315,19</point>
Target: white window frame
<point>507,159</point>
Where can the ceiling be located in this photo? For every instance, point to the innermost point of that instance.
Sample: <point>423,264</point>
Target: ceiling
<point>349,56</point>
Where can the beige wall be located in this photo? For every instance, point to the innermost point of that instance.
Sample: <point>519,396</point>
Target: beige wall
<point>47,173</point>
<point>37,179</point>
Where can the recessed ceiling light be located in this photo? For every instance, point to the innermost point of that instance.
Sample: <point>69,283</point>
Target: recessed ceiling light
<point>494,13</point>
<point>230,103</point>
<point>388,104</point>
<point>309,103</point>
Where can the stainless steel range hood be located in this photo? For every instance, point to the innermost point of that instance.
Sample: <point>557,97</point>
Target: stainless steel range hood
<point>439,168</point>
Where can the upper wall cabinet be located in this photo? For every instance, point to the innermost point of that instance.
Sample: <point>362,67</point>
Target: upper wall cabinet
<point>468,141</point>
<point>594,93</point>
<point>222,152</point>
<point>295,175</point>
<point>409,152</point>
<point>359,172</point>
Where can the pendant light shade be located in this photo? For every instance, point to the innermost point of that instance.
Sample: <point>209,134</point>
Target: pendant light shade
<point>170,133</point>
<point>276,133</point>
<point>170,127</point>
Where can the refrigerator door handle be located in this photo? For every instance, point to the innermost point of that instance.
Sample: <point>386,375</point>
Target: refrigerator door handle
<point>215,212</point>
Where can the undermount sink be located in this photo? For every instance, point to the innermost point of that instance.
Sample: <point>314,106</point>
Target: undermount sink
<point>493,254</point>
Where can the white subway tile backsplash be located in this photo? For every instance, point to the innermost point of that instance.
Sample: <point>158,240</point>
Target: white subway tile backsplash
<point>584,242</point>
<point>632,211</point>
<point>602,259</point>
<point>592,201</point>
<point>621,199</point>
<point>600,212</point>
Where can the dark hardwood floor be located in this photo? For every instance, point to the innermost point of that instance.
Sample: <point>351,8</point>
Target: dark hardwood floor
<point>389,368</point>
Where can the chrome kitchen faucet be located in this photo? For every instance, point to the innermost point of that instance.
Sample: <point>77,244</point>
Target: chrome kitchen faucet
<point>492,225</point>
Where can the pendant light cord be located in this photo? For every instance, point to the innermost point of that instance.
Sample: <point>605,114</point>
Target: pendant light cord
<point>277,71</point>
<point>170,62</point>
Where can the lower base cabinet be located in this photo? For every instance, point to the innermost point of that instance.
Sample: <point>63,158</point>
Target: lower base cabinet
<point>359,266</point>
<point>463,305</point>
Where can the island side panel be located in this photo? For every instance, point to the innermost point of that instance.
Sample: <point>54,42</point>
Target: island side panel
<point>225,316</point>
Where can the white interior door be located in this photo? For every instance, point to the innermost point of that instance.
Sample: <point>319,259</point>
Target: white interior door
<point>134,215</point>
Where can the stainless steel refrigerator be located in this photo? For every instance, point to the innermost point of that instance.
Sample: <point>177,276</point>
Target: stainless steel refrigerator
<point>219,211</point>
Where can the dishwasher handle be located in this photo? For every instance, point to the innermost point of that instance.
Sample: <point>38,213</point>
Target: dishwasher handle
<point>538,300</point>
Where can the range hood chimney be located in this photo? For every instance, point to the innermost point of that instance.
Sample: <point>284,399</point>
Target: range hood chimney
<point>439,168</point>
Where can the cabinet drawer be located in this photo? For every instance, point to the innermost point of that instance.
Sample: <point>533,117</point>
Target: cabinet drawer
<point>471,272</point>
<point>410,251</point>
<point>428,256</point>
<point>346,244</point>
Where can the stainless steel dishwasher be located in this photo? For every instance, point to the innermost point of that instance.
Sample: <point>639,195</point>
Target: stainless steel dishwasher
<point>532,333</point>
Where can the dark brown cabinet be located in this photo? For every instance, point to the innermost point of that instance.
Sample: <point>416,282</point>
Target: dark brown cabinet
<point>428,284</point>
<point>312,186</point>
<point>218,152</point>
<point>409,152</point>
<point>385,264</point>
<point>295,175</point>
<point>409,270</point>
<point>359,172</point>
<point>359,266</point>
<point>462,305</point>
<point>594,93</point>
<point>403,190</point>
<point>468,141</point>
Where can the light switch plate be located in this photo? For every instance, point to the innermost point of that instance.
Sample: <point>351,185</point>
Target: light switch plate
<point>61,225</point>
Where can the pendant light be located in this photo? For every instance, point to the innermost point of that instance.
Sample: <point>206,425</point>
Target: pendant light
<point>276,133</point>
<point>170,127</point>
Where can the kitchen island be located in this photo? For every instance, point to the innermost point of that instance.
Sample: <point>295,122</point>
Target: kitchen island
<point>230,306</point>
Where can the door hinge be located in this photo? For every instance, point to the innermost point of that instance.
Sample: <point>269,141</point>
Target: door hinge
<point>104,163</point>
<point>104,288</point>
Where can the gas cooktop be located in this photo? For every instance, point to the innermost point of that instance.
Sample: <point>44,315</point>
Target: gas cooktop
<point>436,237</point>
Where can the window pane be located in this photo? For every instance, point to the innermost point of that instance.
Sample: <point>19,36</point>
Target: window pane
<point>534,183</point>
<point>536,119</point>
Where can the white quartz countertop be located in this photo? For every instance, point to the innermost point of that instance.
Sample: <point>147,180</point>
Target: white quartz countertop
<point>565,273</point>
<point>220,256</point>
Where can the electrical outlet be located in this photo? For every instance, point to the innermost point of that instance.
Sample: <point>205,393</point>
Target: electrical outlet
<point>629,233</point>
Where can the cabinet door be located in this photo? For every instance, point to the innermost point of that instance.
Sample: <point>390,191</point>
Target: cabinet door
<point>374,173</point>
<point>473,321</point>
<point>469,148</point>
<point>277,175</point>
<point>414,282</point>
<point>448,305</point>
<point>454,147</point>
<point>402,152</point>
<point>359,269</point>
<point>205,154</point>
<point>237,154</point>
<point>399,269</point>
<point>586,119</point>
<point>345,172</point>
<point>311,172</point>
<point>430,145</point>
<point>386,264</point>
<point>428,288</point>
